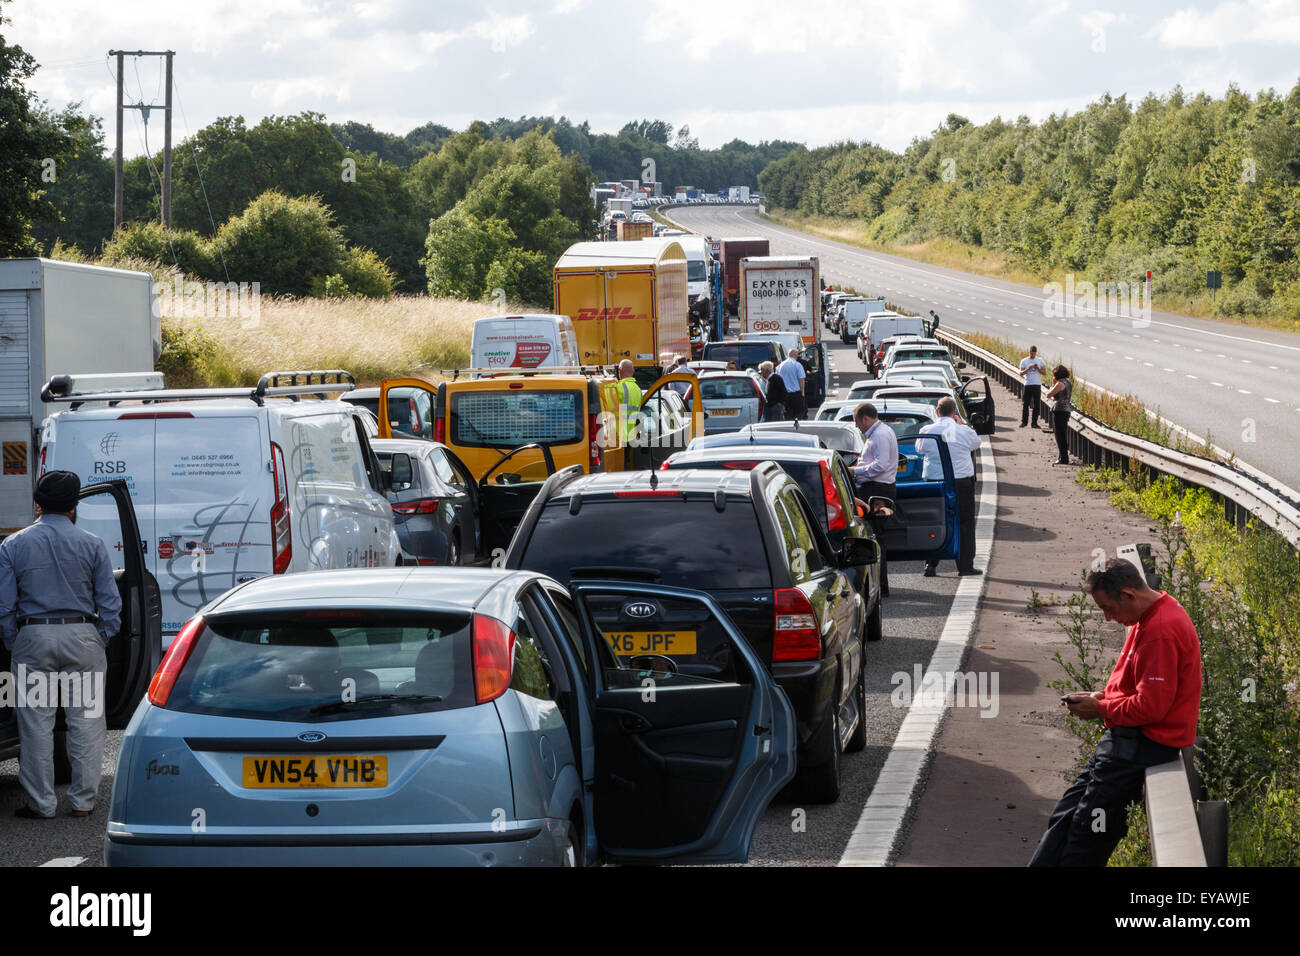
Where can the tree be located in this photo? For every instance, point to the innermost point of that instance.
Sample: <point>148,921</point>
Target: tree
<point>459,251</point>
<point>30,150</point>
<point>282,242</point>
<point>82,192</point>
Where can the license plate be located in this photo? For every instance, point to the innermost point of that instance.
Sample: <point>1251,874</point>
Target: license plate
<point>631,643</point>
<point>726,411</point>
<point>315,772</point>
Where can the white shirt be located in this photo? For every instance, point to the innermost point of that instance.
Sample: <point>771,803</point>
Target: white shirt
<point>879,460</point>
<point>962,444</point>
<point>792,373</point>
<point>1036,368</point>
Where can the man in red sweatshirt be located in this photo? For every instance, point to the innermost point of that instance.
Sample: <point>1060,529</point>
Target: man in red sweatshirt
<point>1150,708</point>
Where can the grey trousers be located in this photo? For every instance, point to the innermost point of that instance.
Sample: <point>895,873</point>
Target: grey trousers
<point>62,665</point>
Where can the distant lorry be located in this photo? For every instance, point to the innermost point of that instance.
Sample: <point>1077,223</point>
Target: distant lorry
<point>780,294</point>
<point>738,194</point>
<point>627,301</point>
<point>524,342</point>
<point>620,205</point>
<point>58,318</point>
<point>731,251</point>
<point>629,230</point>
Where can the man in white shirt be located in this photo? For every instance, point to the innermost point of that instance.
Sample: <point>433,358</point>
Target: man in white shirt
<point>962,445</point>
<point>876,471</point>
<point>795,379</point>
<point>1032,368</point>
<point>681,388</point>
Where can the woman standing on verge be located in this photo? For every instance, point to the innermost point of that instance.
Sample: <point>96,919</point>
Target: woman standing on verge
<point>1060,396</point>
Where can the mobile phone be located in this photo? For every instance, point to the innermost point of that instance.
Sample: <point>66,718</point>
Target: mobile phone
<point>1065,698</point>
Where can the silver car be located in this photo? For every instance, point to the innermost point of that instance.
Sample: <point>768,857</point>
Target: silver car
<point>732,400</point>
<point>448,716</point>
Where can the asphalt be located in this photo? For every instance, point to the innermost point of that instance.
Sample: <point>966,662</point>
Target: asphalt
<point>1235,382</point>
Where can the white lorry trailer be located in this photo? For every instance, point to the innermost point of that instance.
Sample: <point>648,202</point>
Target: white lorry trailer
<point>58,318</point>
<point>780,294</point>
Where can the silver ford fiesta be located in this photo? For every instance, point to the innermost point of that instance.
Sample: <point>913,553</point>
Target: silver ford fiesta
<point>438,716</point>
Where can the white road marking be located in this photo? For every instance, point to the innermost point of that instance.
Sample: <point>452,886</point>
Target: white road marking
<point>1273,401</point>
<point>65,861</point>
<point>1243,391</point>
<point>882,817</point>
<point>1217,384</point>
<point>1191,376</point>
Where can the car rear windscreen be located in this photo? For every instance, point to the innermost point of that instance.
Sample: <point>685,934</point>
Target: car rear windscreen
<point>326,665</point>
<point>508,418</point>
<point>727,388</point>
<point>684,543</point>
<point>744,354</point>
<point>904,424</point>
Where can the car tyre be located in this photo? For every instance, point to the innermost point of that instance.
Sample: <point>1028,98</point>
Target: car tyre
<point>822,782</point>
<point>876,622</point>
<point>858,740</point>
<point>453,552</point>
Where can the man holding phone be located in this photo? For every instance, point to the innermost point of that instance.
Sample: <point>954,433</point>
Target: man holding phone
<point>1150,707</point>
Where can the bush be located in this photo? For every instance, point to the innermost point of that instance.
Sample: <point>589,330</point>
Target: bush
<point>283,243</point>
<point>459,251</point>
<point>521,276</point>
<point>366,274</point>
<point>187,354</point>
<point>187,251</point>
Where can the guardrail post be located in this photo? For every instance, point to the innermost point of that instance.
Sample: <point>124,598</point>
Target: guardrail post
<point>1212,820</point>
<point>1172,823</point>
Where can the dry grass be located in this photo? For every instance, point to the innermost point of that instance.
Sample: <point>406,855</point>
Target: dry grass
<point>371,338</point>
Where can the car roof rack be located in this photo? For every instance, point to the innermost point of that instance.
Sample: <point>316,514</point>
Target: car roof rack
<point>60,388</point>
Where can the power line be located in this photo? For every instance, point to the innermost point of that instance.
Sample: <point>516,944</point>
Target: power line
<point>202,188</point>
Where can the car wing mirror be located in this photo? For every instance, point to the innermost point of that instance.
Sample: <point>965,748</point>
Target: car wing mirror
<point>858,552</point>
<point>400,472</point>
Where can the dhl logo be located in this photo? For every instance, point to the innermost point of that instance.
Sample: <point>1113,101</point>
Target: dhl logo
<point>587,315</point>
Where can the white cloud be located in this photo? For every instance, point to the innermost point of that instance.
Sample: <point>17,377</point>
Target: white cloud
<point>503,32</point>
<point>563,7</point>
<point>1271,22</point>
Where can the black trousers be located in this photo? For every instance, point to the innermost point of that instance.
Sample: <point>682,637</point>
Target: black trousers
<point>795,406</point>
<point>1061,426</point>
<point>1092,817</point>
<point>1030,401</point>
<point>965,525</point>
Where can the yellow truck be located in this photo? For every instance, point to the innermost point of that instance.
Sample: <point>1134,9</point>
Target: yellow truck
<point>629,230</point>
<point>627,301</point>
<point>511,432</point>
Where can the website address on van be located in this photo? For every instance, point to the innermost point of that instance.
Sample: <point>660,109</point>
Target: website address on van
<point>1203,923</point>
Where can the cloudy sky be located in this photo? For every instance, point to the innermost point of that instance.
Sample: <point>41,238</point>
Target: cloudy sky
<point>815,71</point>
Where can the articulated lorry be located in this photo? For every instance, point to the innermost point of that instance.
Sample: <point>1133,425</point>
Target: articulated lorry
<point>61,318</point>
<point>627,301</point>
<point>730,252</point>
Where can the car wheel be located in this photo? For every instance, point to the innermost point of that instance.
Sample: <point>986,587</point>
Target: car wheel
<point>453,553</point>
<point>884,576</point>
<point>858,740</point>
<point>822,782</point>
<point>572,845</point>
<point>876,623</point>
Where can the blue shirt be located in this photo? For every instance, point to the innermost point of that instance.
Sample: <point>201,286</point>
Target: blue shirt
<point>879,460</point>
<point>792,373</point>
<point>52,568</point>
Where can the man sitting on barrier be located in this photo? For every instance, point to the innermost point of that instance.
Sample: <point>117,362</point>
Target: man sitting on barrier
<point>1150,707</point>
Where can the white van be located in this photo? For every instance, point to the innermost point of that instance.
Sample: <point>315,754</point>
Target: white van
<point>881,325</point>
<point>524,341</point>
<point>697,266</point>
<point>228,484</point>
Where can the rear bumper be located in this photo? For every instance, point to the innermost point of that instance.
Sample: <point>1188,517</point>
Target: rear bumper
<point>810,685</point>
<point>526,843</point>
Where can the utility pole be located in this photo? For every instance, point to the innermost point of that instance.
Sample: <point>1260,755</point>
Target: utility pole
<point>119,210</point>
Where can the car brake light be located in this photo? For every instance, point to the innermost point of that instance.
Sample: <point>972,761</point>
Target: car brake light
<point>761,400</point>
<point>740,465</point>
<point>440,430</point>
<point>281,528</point>
<point>795,637</point>
<point>164,679</point>
<point>494,654</point>
<point>835,519</point>
<point>593,436</point>
<point>146,416</point>
<point>419,506</point>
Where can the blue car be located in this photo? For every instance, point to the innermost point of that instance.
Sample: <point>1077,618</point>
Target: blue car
<point>446,716</point>
<point>926,525</point>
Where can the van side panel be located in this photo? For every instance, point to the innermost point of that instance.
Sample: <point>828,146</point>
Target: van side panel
<point>212,512</point>
<point>631,326</point>
<point>581,296</point>
<point>674,310</point>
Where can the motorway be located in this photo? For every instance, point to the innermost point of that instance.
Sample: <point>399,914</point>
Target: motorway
<point>1234,382</point>
<point>791,832</point>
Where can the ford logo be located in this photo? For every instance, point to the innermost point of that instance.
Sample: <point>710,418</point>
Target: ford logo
<point>640,610</point>
<point>311,736</point>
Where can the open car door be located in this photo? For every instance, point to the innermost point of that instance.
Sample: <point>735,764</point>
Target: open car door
<point>135,652</point>
<point>925,525</point>
<point>661,433</point>
<point>504,495</point>
<point>684,763</point>
<point>978,399</point>
<point>816,369</point>
<point>406,408</point>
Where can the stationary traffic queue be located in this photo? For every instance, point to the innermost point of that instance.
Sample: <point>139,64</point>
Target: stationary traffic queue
<point>669,617</point>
